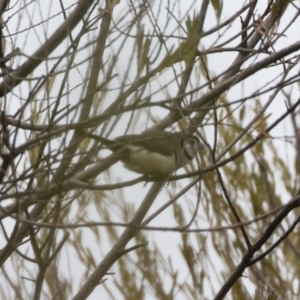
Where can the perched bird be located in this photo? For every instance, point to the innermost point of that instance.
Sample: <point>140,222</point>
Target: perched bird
<point>154,153</point>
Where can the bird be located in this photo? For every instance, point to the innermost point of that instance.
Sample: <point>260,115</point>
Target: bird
<point>154,153</point>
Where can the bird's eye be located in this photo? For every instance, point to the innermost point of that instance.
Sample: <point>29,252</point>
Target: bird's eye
<point>194,140</point>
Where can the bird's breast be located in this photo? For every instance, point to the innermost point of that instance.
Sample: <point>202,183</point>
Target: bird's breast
<point>149,163</point>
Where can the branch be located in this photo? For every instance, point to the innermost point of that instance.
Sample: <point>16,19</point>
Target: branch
<point>119,246</point>
<point>246,260</point>
<point>46,49</point>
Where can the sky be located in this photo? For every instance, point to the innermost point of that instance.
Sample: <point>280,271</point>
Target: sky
<point>30,40</point>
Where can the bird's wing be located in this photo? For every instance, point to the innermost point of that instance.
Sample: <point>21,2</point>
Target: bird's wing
<point>162,143</point>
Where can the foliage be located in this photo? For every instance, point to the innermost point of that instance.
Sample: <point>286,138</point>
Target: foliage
<point>75,223</point>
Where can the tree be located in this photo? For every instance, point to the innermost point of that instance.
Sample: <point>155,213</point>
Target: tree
<point>75,223</point>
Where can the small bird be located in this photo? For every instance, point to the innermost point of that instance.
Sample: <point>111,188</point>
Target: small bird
<point>154,153</point>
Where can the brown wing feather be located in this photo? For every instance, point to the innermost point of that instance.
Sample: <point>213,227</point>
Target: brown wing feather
<point>152,141</point>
